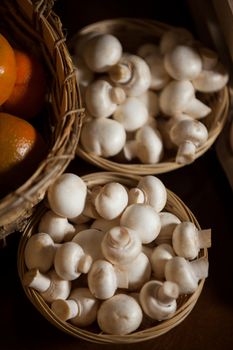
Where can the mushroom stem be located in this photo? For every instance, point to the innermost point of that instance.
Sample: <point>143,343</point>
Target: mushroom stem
<point>117,95</point>
<point>186,152</point>
<point>200,267</point>
<point>136,195</point>
<point>36,280</point>
<point>196,108</point>
<point>120,73</point>
<point>84,264</point>
<point>167,292</point>
<point>204,237</point>
<point>65,309</point>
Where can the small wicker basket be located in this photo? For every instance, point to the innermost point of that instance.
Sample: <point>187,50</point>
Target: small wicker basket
<point>148,329</point>
<point>34,25</point>
<point>132,33</point>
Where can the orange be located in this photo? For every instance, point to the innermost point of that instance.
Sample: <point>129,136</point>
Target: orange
<point>28,95</point>
<point>7,69</point>
<point>21,150</point>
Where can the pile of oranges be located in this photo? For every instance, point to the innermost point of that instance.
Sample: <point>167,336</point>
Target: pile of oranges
<point>22,96</point>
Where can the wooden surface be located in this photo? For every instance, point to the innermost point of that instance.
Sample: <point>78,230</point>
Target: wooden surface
<point>202,185</point>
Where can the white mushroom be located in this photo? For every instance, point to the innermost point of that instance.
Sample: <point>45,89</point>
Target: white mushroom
<point>102,98</point>
<point>132,73</point>
<point>183,63</point>
<point>211,80</point>
<point>90,241</point>
<point>56,226</point>
<point>158,300</point>
<point>174,37</point>
<point>103,137</point>
<point>186,273</point>
<point>121,245</point>
<point>159,257</point>
<point>178,97</point>
<point>101,52</point>
<point>102,279</point>
<point>50,286</point>
<point>188,135</point>
<point>168,223</point>
<point>39,252</point>
<point>154,191</point>
<point>147,146</point>
<point>159,75</point>
<point>67,195</point>
<point>143,219</point>
<point>138,271</point>
<point>81,307</point>
<point>187,240</point>
<point>70,261</point>
<point>111,200</point>
<point>132,114</point>
<point>151,101</point>
<point>119,315</point>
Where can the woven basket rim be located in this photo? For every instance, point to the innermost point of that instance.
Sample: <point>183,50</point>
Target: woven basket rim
<point>39,21</point>
<point>220,99</point>
<point>139,335</point>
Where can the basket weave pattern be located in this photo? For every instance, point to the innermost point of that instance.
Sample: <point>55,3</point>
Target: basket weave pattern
<point>34,25</point>
<point>149,329</point>
<point>132,33</point>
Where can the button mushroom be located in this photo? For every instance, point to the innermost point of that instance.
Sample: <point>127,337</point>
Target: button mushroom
<point>159,75</point>
<point>168,223</point>
<point>186,273</point>
<point>56,226</point>
<point>183,63</point>
<point>143,219</point>
<point>187,240</point>
<point>67,195</point>
<point>132,73</point>
<point>121,245</point>
<point>158,300</point>
<point>39,252</point>
<point>50,286</point>
<point>119,315</point>
<point>211,80</point>
<point>81,307</point>
<point>70,261</point>
<point>111,200</point>
<point>101,52</point>
<point>103,137</point>
<point>159,257</point>
<point>188,135</point>
<point>178,97</point>
<point>101,98</point>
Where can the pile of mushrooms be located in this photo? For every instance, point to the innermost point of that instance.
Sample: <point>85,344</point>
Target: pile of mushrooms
<point>112,254</point>
<point>141,104</point>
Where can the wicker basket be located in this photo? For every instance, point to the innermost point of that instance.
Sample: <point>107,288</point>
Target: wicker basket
<point>34,25</point>
<point>132,33</point>
<point>146,331</point>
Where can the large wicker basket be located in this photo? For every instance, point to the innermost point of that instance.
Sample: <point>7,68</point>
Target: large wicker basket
<point>132,33</point>
<point>34,25</point>
<point>149,329</point>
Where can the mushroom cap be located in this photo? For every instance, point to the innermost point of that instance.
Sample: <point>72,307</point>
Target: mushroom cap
<point>159,75</point>
<point>102,279</point>
<point>183,63</point>
<point>180,271</point>
<point>153,307</point>
<point>189,130</point>
<point>154,190</point>
<point>211,80</point>
<point>103,137</point>
<point>101,52</point>
<point>143,219</point>
<point>39,252</point>
<point>119,315</point>
<point>67,195</point>
<point>111,200</point>
<point>151,101</point>
<point>159,257</point>
<point>90,241</point>
<point>168,223</point>
<point>121,245</point>
<point>185,240</point>
<point>132,114</point>
<point>149,145</point>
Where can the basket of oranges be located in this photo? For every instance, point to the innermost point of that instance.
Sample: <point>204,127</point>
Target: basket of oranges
<point>40,108</point>
<point>164,96</point>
